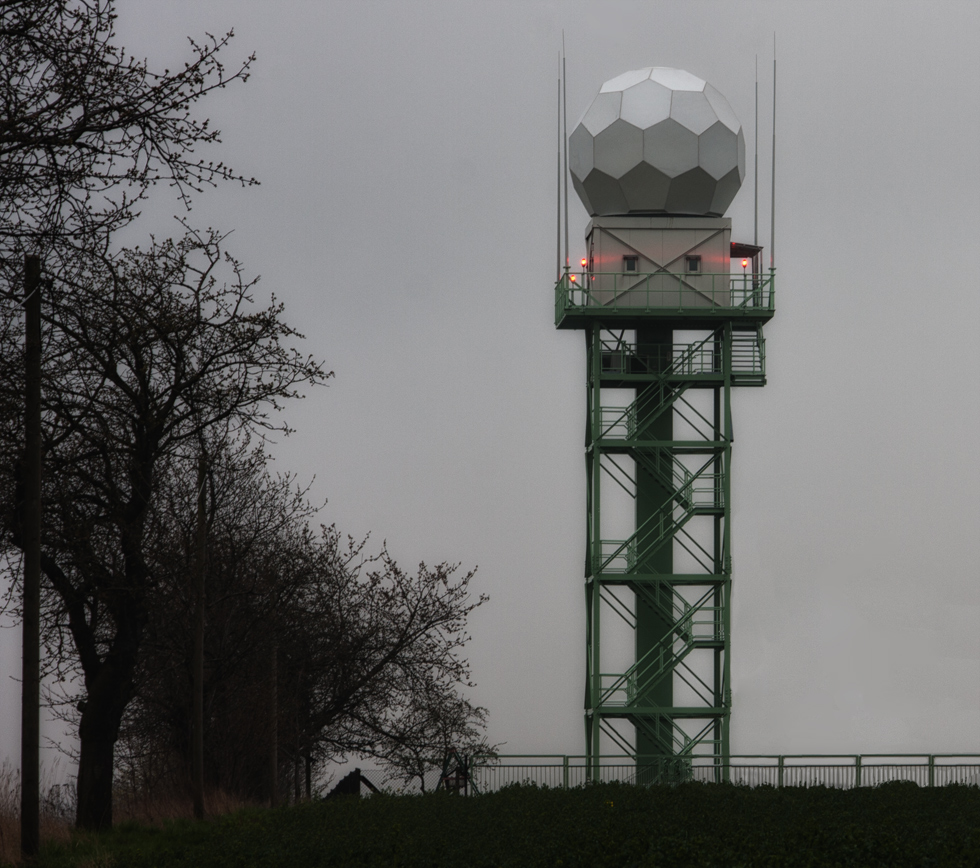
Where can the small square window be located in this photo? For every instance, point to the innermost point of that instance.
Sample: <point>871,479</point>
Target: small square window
<point>629,263</point>
<point>693,264</point>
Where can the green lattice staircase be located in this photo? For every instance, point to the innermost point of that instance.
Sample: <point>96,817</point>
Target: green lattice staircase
<point>686,633</point>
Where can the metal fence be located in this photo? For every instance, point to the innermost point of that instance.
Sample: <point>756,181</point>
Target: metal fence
<point>844,772</point>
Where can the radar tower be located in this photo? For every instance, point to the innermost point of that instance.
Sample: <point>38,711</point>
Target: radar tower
<point>673,313</point>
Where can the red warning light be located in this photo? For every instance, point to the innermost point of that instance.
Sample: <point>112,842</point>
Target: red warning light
<point>585,262</point>
<point>571,277</point>
<point>745,262</point>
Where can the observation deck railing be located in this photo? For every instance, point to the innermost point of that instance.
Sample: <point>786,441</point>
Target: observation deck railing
<point>843,771</point>
<point>696,294</point>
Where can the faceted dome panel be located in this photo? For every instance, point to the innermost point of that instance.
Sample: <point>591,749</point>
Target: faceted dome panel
<point>580,152</point>
<point>693,190</point>
<point>676,79</point>
<point>715,146</point>
<point>657,141</point>
<point>670,147</point>
<point>645,104</point>
<point>603,111</point>
<point>722,108</point>
<point>605,194</point>
<point>643,185</point>
<point>692,110</point>
<point>627,79</point>
<point>618,148</point>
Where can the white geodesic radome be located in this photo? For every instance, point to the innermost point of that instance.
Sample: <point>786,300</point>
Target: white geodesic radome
<point>658,141</point>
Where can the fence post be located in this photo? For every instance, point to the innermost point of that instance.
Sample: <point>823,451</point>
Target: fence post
<point>932,770</point>
<point>564,772</point>
<point>780,774</point>
<point>857,771</point>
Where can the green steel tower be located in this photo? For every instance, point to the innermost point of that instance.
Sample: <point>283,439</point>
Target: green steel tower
<point>673,314</point>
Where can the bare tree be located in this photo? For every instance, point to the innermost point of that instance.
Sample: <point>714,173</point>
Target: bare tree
<point>86,130</point>
<point>252,518</point>
<point>437,722</point>
<point>368,656</point>
<point>146,352</point>
<point>373,651</point>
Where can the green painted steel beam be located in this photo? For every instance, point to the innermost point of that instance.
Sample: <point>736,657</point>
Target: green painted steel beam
<point>678,447</point>
<point>685,712</point>
<point>579,318</point>
<point>672,578</point>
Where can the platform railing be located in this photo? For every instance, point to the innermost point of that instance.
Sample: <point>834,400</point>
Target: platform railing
<point>843,771</point>
<point>663,291</point>
<point>678,361</point>
<point>668,360</point>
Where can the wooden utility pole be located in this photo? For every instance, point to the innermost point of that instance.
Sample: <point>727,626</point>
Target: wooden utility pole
<point>273,706</point>
<point>30,775</point>
<point>197,713</point>
<point>296,760</point>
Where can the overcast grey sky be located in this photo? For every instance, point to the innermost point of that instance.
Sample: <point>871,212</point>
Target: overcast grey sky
<point>406,218</point>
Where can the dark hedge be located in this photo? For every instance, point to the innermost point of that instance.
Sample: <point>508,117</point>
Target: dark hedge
<point>605,825</point>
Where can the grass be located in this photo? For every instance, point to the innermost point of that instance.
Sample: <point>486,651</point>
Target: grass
<point>604,825</point>
<point>54,820</point>
<point>142,812</point>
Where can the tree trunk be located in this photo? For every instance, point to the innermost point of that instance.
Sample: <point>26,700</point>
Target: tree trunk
<point>97,733</point>
<point>109,688</point>
<point>309,775</point>
<point>197,665</point>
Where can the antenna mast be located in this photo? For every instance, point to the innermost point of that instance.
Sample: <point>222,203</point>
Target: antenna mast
<point>772,206</point>
<point>565,137</point>
<point>558,185</point>
<point>755,238</point>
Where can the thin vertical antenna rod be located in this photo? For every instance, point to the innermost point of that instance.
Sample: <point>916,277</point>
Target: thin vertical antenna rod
<point>564,91</point>
<point>755,240</point>
<point>772,206</point>
<point>565,139</point>
<point>558,186</point>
